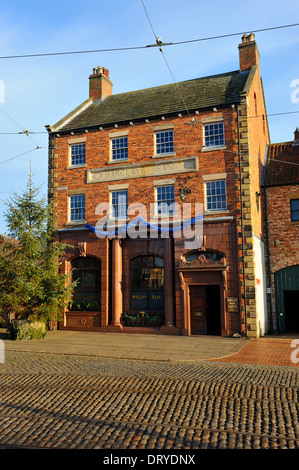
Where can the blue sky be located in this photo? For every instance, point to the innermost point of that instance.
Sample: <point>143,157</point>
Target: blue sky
<point>41,90</point>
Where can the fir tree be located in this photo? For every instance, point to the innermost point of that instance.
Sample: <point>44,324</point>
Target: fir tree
<point>30,283</point>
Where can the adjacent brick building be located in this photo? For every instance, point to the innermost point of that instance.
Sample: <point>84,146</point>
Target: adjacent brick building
<point>281,209</point>
<point>204,143</point>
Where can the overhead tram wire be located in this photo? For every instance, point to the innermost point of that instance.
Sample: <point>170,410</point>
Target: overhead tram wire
<point>24,131</point>
<point>20,155</point>
<point>222,150</point>
<point>120,49</point>
<point>160,43</point>
<point>249,117</point>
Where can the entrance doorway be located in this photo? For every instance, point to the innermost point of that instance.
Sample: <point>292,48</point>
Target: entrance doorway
<point>205,316</point>
<point>287,298</point>
<point>291,301</point>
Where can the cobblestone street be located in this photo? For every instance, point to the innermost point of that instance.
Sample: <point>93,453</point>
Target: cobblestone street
<point>76,402</point>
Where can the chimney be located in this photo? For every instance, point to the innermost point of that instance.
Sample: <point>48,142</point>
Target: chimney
<point>296,137</point>
<point>100,85</point>
<point>248,52</point>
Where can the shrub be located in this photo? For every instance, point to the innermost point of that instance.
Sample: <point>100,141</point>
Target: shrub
<point>23,329</point>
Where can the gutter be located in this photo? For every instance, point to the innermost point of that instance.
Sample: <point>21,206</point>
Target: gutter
<point>58,128</point>
<point>242,228</point>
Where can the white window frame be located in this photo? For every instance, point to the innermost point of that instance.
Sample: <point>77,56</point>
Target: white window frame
<point>114,139</point>
<point>161,131</point>
<point>214,135</point>
<point>76,220</point>
<point>73,143</point>
<point>208,182</point>
<point>112,215</point>
<point>157,187</point>
<point>114,136</point>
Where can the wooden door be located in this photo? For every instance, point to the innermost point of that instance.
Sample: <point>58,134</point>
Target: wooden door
<point>198,312</point>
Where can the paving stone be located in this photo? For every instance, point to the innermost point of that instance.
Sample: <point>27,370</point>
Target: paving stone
<point>69,402</point>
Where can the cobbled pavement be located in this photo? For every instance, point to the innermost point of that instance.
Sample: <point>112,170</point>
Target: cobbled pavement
<point>81,402</point>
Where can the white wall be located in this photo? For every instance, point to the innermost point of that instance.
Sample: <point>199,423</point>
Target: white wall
<point>261,286</point>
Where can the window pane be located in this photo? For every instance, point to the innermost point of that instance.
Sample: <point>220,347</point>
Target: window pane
<point>136,279</point>
<point>214,134</point>
<point>165,198</point>
<point>147,261</point>
<point>216,195</point>
<point>78,154</point>
<point>138,300</point>
<point>294,209</point>
<point>192,257</point>
<point>77,207</point>
<point>295,204</point>
<point>86,295</point>
<point>136,262</point>
<point>148,278</point>
<point>145,278</point>
<point>156,300</point>
<point>120,148</point>
<point>119,201</point>
<point>147,283</point>
<point>164,142</point>
<point>159,262</point>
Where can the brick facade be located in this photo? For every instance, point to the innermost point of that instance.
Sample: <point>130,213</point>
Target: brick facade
<point>280,187</point>
<point>229,233</point>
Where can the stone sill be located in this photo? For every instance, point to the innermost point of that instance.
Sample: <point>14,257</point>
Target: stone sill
<point>76,224</point>
<point>121,160</point>
<point>164,155</point>
<point>215,212</point>
<point>74,167</point>
<point>212,149</point>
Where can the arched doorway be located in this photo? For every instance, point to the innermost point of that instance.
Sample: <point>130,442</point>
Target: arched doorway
<point>203,280</point>
<point>287,299</point>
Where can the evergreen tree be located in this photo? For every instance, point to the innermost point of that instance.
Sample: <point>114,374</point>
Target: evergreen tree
<point>30,283</point>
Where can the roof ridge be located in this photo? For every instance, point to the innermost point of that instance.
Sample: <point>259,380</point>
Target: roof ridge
<point>280,143</point>
<point>181,81</point>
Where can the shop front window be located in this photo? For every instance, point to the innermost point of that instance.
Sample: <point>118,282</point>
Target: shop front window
<point>87,272</point>
<point>147,292</point>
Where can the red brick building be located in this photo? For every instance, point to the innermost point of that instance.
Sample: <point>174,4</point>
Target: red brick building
<point>281,209</point>
<point>204,144</point>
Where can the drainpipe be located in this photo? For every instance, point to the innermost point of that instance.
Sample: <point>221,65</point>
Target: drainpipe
<point>242,228</point>
<point>269,262</point>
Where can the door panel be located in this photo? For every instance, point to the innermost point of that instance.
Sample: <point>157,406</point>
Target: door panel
<point>198,312</point>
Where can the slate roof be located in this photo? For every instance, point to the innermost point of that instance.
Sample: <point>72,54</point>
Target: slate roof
<point>216,90</point>
<point>282,167</point>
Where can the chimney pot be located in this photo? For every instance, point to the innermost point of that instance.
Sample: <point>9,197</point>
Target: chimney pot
<point>100,86</point>
<point>248,52</point>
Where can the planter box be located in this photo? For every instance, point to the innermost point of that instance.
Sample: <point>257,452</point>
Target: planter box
<point>78,319</point>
